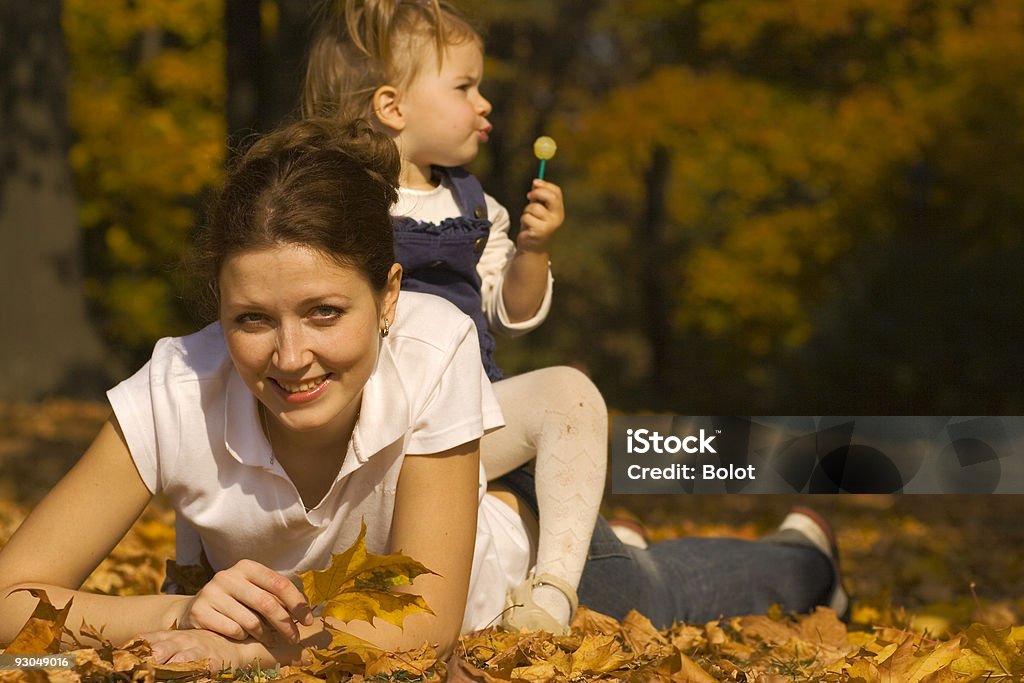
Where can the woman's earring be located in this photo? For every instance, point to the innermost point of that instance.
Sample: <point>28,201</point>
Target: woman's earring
<point>386,330</point>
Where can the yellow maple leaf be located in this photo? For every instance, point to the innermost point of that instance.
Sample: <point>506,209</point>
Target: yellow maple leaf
<point>41,633</point>
<point>911,663</point>
<point>415,664</point>
<point>346,653</point>
<point>357,585</point>
<point>992,653</point>
<point>598,655</point>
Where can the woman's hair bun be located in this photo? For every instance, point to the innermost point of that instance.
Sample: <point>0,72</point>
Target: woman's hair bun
<point>375,152</point>
<point>318,183</point>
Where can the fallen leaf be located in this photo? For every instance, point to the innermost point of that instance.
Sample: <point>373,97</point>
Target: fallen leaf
<point>542,672</point>
<point>298,677</point>
<point>345,653</point>
<point>594,622</point>
<point>771,631</point>
<point>687,637</point>
<point>90,664</point>
<point>357,585</point>
<point>639,632</point>
<point>41,633</point>
<point>714,633</point>
<point>419,663</point>
<point>991,653</point>
<point>173,672</point>
<point>691,672</point>
<point>911,663</point>
<point>599,654</point>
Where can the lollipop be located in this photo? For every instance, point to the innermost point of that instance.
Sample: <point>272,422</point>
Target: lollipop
<point>544,148</point>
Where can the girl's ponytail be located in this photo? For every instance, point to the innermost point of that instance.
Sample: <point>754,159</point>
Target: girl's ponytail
<point>371,25</point>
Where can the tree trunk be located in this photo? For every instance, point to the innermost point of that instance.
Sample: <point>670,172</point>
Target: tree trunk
<point>265,65</point>
<point>655,303</point>
<point>244,58</point>
<point>288,50</point>
<point>48,344</point>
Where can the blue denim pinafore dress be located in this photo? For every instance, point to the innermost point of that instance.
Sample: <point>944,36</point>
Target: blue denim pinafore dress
<point>442,259</point>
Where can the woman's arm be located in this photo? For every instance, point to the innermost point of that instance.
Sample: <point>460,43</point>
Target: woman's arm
<point>69,533</point>
<point>434,523</point>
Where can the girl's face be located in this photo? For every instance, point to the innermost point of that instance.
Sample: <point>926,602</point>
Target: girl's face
<point>303,332</point>
<point>445,115</point>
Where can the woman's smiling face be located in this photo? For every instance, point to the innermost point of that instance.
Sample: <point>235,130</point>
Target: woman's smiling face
<point>303,332</point>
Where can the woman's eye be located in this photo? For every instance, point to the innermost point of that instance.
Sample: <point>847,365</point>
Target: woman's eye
<point>249,319</point>
<point>325,313</point>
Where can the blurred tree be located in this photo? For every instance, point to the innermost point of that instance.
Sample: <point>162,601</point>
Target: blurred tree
<point>266,62</point>
<point>147,94</point>
<point>773,205</point>
<point>839,232</point>
<point>49,345</point>
<point>546,41</point>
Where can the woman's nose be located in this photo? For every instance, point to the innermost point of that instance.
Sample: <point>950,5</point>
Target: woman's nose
<point>292,351</point>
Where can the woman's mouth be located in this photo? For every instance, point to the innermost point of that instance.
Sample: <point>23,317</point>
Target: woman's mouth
<point>303,390</point>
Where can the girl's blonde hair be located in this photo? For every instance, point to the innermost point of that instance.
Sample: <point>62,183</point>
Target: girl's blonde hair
<point>364,44</point>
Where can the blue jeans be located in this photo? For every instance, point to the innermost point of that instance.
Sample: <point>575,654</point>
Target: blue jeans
<point>692,580</point>
<point>695,580</point>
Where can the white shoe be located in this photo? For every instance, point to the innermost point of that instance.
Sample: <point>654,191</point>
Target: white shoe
<point>522,613</point>
<point>629,532</point>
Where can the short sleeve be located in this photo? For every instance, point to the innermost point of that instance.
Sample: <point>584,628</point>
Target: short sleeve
<point>132,402</point>
<point>461,406</point>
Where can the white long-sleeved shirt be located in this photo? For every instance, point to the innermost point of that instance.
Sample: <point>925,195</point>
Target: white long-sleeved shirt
<point>439,203</point>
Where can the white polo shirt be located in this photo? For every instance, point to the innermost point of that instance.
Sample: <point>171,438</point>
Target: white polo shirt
<point>193,430</point>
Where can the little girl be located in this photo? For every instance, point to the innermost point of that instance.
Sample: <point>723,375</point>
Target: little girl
<point>414,70</point>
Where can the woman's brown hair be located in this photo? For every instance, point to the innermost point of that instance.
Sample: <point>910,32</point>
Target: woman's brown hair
<point>315,183</point>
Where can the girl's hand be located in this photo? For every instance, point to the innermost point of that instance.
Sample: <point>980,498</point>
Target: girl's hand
<point>242,601</point>
<point>194,644</point>
<point>541,217</point>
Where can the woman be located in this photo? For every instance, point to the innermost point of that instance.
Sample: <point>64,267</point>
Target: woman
<point>316,402</point>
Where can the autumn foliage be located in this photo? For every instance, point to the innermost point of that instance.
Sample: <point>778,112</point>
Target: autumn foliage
<point>936,584</point>
<point>774,206</point>
<point>786,203</point>
<point>146,103</point>
<point>764,649</point>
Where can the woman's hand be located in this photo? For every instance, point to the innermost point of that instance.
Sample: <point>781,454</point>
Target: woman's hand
<point>249,600</point>
<point>195,644</point>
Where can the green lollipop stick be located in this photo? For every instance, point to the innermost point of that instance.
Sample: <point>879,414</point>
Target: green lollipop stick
<point>544,148</point>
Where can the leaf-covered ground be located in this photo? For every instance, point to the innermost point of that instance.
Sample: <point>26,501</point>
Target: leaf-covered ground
<point>938,586</point>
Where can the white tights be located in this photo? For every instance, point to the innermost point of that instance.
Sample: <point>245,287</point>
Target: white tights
<point>557,417</point>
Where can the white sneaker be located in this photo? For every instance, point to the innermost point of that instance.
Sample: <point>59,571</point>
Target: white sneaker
<point>629,532</point>
<point>523,614</point>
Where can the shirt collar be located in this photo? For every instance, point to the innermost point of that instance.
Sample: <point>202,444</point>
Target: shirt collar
<point>243,433</point>
<point>384,418</point>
